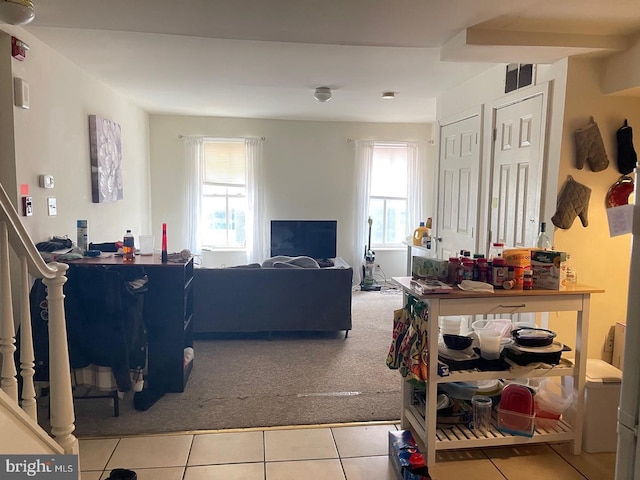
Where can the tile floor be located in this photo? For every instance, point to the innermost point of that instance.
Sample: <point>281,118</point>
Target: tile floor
<point>343,452</point>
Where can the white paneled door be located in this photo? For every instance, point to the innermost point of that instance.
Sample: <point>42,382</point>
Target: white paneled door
<point>459,159</point>
<point>518,149</point>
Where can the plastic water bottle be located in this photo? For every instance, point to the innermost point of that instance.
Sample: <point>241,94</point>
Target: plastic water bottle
<point>128,246</point>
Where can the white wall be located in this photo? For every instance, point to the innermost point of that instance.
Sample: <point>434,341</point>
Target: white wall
<point>309,173</point>
<point>599,259</point>
<point>52,137</point>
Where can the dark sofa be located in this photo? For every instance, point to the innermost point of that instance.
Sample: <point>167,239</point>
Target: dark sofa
<point>272,299</point>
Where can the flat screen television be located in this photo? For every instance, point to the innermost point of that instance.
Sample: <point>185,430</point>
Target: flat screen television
<point>312,238</point>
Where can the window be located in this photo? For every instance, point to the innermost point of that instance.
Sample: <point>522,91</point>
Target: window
<point>224,194</point>
<point>388,194</point>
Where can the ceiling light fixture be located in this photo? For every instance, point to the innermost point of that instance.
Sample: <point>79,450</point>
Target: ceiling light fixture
<point>16,12</point>
<point>388,95</point>
<point>322,94</point>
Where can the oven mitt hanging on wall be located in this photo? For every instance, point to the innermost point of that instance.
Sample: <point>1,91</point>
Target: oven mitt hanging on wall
<point>627,157</point>
<point>590,149</point>
<point>573,201</point>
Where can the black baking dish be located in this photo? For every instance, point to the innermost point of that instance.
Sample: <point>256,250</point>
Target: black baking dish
<point>526,355</point>
<point>533,337</point>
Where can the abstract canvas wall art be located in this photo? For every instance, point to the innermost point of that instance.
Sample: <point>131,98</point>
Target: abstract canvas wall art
<point>106,160</point>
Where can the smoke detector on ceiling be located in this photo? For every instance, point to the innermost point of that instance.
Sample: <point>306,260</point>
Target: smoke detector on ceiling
<point>16,12</point>
<point>322,94</point>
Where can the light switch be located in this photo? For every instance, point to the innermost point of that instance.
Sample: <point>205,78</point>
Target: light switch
<point>51,202</point>
<point>21,93</point>
<point>27,205</point>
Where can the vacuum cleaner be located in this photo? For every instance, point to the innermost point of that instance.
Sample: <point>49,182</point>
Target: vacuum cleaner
<point>368,283</point>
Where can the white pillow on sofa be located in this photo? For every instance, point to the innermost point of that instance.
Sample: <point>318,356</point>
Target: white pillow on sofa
<point>299,262</point>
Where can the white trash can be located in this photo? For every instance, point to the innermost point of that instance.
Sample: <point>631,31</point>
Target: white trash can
<point>602,397</point>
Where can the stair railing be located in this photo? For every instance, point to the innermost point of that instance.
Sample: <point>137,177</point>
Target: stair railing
<point>31,265</point>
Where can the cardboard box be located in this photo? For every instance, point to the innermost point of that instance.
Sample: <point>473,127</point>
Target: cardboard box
<point>405,456</point>
<point>423,267</point>
<point>549,269</point>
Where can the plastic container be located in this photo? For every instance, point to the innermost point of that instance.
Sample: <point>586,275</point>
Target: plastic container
<point>418,233</point>
<point>499,269</point>
<point>490,345</point>
<point>451,325</point>
<point>502,325</point>
<point>602,396</point>
<point>552,399</point>
<point>146,244</point>
<point>466,269</point>
<point>483,268</point>
<point>482,406</point>
<point>515,423</point>
<point>516,410</point>
<point>452,270</point>
<point>496,250</point>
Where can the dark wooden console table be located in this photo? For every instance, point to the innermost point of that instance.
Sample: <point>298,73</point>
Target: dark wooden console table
<point>168,314</point>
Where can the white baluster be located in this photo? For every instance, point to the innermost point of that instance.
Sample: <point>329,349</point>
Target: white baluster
<point>27,356</point>
<point>8,381</point>
<point>61,394</point>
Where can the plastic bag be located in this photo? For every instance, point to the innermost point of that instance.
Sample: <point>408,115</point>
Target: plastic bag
<point>401,321</point>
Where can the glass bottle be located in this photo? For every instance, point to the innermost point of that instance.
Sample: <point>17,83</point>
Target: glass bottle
<point>543,242</point>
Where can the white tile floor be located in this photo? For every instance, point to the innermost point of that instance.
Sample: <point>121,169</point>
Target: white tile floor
<point>345,452</point>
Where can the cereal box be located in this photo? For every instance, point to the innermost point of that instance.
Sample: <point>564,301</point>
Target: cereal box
<point>549,269</point>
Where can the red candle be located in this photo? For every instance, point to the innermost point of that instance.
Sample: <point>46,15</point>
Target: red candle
<point>164,243</point>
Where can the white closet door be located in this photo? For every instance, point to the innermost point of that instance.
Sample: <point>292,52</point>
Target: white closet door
<point>459,159</point>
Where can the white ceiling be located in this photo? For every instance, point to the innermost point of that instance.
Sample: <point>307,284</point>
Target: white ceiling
<point>263,59</point>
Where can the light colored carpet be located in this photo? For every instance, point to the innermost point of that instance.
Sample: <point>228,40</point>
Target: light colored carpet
<point>287,379</point>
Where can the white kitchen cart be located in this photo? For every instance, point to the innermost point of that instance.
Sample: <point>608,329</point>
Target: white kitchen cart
<point>423,419</point>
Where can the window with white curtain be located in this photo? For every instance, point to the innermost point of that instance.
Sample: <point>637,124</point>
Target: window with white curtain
<point>224,195</point>
<point>388,204</point>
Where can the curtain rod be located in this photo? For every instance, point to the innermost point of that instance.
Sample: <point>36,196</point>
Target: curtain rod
<point>390,142</point>
<point>181,136</point>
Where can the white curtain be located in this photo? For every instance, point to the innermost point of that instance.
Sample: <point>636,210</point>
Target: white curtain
<point>364,162</point>
<point>257,232</point>
<point>416,158</point>
<point>194,171</point>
